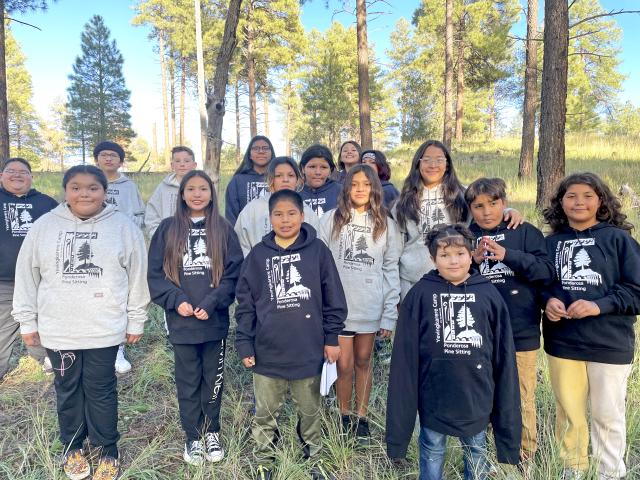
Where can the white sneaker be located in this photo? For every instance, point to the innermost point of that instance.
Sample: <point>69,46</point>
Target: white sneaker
<point>213,449</point>
<point>194,453</point>
<point>47,368</point>
<point>122,364</point>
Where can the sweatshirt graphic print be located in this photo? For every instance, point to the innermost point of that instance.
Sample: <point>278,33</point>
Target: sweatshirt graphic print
<point>494,270</point>
<point>285,281</point>
<point>17,218</point>
<point>454,323</point>
<point>195,260</point>
<point>75,257</point>
<point>572,261</point>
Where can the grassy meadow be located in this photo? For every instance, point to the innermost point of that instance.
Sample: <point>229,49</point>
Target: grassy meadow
<point>152,440</point>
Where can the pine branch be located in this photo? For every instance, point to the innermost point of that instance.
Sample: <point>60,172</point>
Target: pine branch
<point>599,55</point>
<point>584,34</point>
<point>611,13</point>
<point>24,23</point>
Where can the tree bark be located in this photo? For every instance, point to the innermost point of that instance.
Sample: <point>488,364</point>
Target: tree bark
<point>202,96</point>
<point>448,74</point>
<point>154,143</point>
<point>4,108</point>
<point>460,82</point>
<point>216,102</point>
<point>172,102</point>
<point>183,91</point>
<point>364,104</point>
<point>265,107</point>
<point>553,106</point>
<point>527,147</point>
<point>237,99</point>
<point>251,72</point>
<point>165,107</point>
<point>288,121</point>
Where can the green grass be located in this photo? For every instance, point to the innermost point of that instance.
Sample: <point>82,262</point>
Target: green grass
<point>151,444</point>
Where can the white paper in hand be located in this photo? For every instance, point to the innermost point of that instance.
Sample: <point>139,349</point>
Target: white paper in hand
<point>329,375</point>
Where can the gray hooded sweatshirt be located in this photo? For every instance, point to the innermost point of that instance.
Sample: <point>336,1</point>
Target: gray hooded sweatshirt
<point>123,194</point>
<point>81,283</point>
<point>162,203</point>
<point>253,222</point>
<point>368,270</point>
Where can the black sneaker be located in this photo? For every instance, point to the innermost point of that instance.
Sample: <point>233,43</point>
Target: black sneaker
<point>213,449</point>
<point>194,453</point>
<point>362,432</point>
<point>263,473</point>
<point>348,425</point>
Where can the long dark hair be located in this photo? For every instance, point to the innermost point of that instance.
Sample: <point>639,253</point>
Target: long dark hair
<point>216,227</point>
<point>610,210</point>
<point>376,202</point>
<point>247,163</point>
<point>341,166</point>
<point>380,159</point>
<point>408,205</point>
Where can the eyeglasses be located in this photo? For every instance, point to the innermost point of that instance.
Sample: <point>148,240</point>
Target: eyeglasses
<point>433,162</point>
<point>19,173</point>
<point>108,155</point>
<point>265,148</point>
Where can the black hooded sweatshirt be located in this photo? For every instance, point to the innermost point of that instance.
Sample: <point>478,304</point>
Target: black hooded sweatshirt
<point>390,193</point>
<point>195,285</point>
<point>243,187</point>
<point>323,198</point>
<point>525,270</point>
<point>454,362</point>
<point>18,215</point>
<point>600,264</point>
<point>290,305</point>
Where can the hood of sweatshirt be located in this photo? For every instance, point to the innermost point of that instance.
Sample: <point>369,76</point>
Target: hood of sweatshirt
<point>323,198</point>
<point>305,238</point>
<point>162,203</point>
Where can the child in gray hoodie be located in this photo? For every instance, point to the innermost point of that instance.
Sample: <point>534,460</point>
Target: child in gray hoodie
<point>80,291</point>
<point>162,203</point>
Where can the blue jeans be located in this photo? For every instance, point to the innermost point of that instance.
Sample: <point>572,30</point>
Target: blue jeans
<point>432,449</point>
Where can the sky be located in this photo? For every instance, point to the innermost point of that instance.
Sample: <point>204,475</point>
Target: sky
<point>52,50</point>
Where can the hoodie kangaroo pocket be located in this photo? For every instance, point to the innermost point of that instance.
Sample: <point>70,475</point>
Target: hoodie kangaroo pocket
<point>459,389</point>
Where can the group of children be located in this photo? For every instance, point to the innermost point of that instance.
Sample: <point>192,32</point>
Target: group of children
<point>319,263</point>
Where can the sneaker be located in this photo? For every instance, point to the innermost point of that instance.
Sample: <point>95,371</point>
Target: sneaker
<point>572,474</point>
<point>122,364</point>
<point>194,453</point>
<point>362,432</point>
<point>263,473</point>
<point>47,368</point>
<point>348,425</point>
<point>214,451</point>
<point>108,469</point>
<point>76,465</point>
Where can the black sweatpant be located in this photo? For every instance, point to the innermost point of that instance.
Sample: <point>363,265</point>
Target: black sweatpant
<point>199,381</point>
<point>87,397</point>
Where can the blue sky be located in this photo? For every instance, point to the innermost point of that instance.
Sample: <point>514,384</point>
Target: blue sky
<point>51,52</point>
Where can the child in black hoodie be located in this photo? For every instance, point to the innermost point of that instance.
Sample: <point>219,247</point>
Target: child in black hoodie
<point>454,362</point>
<point>291,308</point>
<point>516,262</point>
<point>588,323</point>
<point>194,262</point>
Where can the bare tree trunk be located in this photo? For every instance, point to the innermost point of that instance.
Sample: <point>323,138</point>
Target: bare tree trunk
<point>460,82</point>
<point>172,100</point>
<point>154,143</point>
<point>237,98</point>
<point>4,108</point>
<point>216,102</point>
<point>288,121</point>
<point>251,72</point>
<point>202,96</point>
<point>448,74</point>
<point>492,116</point>
<point>165,107</point>
<point>62,160</point>
<point>364,104</point>
<point>183,91</point>
<point>527,147</point>
<point>553,106</point>
<point>265,107</point>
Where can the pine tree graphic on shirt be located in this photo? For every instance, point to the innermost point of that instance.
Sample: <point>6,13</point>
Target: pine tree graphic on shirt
<point>573,260</point>
<point>195,256</point>
<point>17,218</point>
<point>457,322</point>
<point>256,190</point>
<point>77,255</point>
<point>354,239</point>
<point>285,279</point>
<point>494,269</point>
<point>430,214</point>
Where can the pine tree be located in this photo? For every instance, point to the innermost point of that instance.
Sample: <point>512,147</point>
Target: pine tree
<point>294,275</point>
<point>465,319</point>
<point>84,252</point>
<point>582,259</point>
<point>200,247</point>
<point>361,244</point>
<point>98,100</point>
<point>25,217</point>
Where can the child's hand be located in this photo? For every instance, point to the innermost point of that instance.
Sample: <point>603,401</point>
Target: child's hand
<point>555,310</point>
<point>31,339</point>
<point>133,338</point>
<point>514,217</point>
<point>583,308</point>
<point>332,354</point>
<point>249,362</point>
<point>495,250</point>
<point>478,254</point>
<point>385,333</point>
<point>201,313</point>
<point>185,309</point>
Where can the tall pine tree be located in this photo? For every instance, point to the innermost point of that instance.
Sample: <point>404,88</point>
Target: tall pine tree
<point>97,99</point>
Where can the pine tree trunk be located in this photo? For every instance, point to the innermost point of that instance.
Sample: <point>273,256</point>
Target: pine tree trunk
<point>527,147</point>
<point>265,107</point>
<point>251,73</point>
<point>154,143</point>
<point>202,96</point>
<point>288,121</point>
<point>4,108</point>
<point>364,104</point>
<point>237,99</point>
<point>460,82</point>
<point>172,102</point>
<point>62,160</point>
<point>448,74</point>
<point>216,102</point>
<point>165,107</point>
<point>183,91</point>
<point>553,106</point>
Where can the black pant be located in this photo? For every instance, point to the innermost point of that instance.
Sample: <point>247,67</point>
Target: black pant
<point>199,381</point>
<point>87,397</point>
